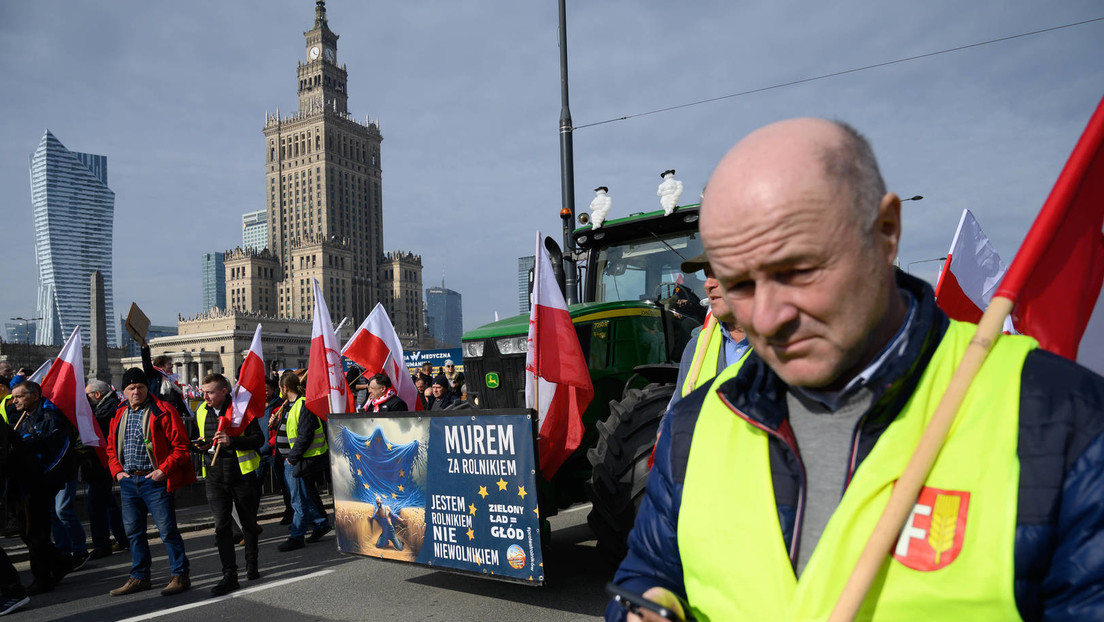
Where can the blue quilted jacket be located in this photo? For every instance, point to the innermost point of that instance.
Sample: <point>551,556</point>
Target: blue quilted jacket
<point>1059,547</point>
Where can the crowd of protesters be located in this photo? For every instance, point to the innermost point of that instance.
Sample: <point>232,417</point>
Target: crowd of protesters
<point>151,439</point>
<point>445,390</point>
<point>154,441</point>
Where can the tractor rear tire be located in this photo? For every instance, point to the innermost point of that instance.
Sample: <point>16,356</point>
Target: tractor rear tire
<point>620,465</point>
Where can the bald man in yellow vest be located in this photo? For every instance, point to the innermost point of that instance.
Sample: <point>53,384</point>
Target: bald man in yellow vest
<point>769,479</point>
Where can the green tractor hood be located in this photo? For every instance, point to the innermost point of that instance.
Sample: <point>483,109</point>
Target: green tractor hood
<point>519,324</point>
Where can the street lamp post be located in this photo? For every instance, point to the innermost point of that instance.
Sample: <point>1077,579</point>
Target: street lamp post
<point>915,197</point>
<point>908,268</point>
<point>26,327</point>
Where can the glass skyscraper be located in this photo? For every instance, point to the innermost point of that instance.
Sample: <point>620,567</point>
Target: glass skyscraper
<point>214,281</point>
<point>74,213</point>
<point>444,316</point>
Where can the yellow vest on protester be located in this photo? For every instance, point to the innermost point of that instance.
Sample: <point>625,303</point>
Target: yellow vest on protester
<point>248,460</point>
<point>4,408</point>
<point>707,356</point>
<point>954,559</point>
<point>318,444</point>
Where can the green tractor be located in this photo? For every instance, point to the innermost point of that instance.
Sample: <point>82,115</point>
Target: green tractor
<point>637,313</point>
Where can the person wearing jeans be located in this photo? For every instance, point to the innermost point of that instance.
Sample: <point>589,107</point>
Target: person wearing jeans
<point>67,529</point>
<point>143,496</point>
<point>302,442</point>
<point>147,452</point>
<point>104,516</point>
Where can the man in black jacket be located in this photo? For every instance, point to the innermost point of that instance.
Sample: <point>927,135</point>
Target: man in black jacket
<point>382,396</point>
<point>104,516</point>
<point>442,397</point>
<point>12,594</point>
<point>231,479</point>
<point>46,461</point>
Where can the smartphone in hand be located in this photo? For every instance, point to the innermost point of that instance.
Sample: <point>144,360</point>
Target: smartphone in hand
<point>636,603</point>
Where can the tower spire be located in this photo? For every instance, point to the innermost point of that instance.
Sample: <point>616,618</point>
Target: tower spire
<point>320,14</point>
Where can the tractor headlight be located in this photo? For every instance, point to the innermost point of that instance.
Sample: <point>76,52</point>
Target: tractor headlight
<point>513,345</point>
<point>473,349</point>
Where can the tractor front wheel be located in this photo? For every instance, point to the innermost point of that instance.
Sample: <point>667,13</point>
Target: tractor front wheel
<point>620,465</point>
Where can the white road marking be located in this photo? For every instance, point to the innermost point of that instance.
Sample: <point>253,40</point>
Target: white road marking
<point>211,601</point>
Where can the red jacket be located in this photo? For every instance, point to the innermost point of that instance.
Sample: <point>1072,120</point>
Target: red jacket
<point>168,439</point>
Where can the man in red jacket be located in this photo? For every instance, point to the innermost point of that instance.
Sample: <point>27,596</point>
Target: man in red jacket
<point>147,453</point>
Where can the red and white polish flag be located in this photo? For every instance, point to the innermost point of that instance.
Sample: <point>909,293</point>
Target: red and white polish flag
<point>1056,277</point>
<point>327,391</point>
<point>375,346</point>
<point>557,381</point>
<point>64,386</point>
<point>248,399</point>
<point>970,275</point>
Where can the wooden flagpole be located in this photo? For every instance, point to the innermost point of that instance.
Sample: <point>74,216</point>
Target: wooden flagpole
<point>905,493</point>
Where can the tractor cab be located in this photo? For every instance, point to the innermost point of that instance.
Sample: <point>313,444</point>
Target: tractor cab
<point>636,315</point>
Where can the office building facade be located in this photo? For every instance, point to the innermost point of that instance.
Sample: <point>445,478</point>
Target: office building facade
<point>255,230</point>
<point>74,212</point>
<point>214,281</point>
<point>444,316</point>
<point>21,331</point>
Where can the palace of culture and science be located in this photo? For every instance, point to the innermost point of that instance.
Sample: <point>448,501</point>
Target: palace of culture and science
<point>324,207</point>
<point>323,198</point>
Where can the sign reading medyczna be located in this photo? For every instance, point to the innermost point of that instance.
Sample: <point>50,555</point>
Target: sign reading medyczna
<point>457,492</point>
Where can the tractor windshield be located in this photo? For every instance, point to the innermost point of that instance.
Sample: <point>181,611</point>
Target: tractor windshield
<point>648,269</point>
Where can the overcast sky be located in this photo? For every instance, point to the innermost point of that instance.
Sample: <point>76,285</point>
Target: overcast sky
<point>468,94</point>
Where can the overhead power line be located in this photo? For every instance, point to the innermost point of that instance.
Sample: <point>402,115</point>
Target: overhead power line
<point>838,73</point>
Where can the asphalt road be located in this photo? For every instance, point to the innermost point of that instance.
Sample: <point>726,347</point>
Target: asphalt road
<point>319,583</point>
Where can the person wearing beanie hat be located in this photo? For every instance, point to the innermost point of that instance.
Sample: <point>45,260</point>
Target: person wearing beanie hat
<point>135,376</point>
<point>442,397</point>
<point>147,453</point>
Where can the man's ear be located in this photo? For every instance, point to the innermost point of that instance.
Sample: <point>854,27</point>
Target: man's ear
<point>887,228</point>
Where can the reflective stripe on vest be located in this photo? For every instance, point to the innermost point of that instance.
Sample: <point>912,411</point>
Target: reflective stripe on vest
<point>248,460</point>
<point>318,444</point>
<point>707,354</point>
<point>708,348</point>
<point>955,557</point>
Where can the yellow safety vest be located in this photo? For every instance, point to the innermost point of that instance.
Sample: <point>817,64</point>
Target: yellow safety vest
<point>4,408</point>
<point>249,460</point>
<point>708,351</point>
<point>318,444</point>
<point>955,557</point>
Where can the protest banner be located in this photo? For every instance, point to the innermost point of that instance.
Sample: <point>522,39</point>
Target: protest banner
<point>451,492</point>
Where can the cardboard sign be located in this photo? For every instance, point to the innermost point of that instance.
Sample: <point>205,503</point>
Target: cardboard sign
<point>137,324</point>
